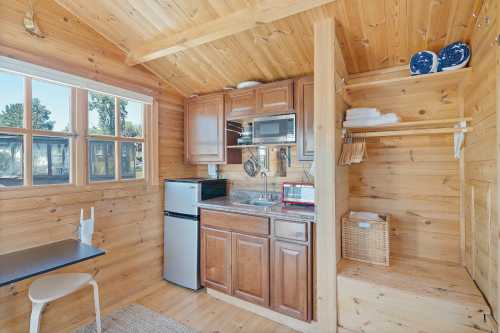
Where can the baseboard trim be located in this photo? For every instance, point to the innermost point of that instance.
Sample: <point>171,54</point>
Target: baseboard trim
<point>293,323</point>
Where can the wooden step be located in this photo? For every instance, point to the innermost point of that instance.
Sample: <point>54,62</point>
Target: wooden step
<point>411,295</point>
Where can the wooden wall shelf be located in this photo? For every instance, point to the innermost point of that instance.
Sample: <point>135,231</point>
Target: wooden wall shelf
<point>409,128</point>
<point>264,145</point>
<point>430,81</point>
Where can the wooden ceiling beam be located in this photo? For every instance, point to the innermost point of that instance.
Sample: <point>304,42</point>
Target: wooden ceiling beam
<point>266,11</point>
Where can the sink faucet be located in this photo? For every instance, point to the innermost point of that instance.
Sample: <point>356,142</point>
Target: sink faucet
<point>263,173</point>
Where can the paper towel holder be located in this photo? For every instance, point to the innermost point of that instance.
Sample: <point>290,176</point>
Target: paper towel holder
<point>86,228</point>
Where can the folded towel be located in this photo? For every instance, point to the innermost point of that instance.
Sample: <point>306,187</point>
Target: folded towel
<point>388,118</point>
<point>365,216</point>
<point>362,113</point>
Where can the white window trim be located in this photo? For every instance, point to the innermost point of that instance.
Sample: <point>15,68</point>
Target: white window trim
<point>79,137</point>
<point>35,71</point>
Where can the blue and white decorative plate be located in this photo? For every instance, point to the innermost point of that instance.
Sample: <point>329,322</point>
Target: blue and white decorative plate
<point>423,62</point>
<point>454,56</point>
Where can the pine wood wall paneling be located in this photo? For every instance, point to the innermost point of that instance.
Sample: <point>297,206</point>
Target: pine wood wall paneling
<point>129,223</point>
<point>481,242</point>
<point>415,179</point>
<point>171,139</point>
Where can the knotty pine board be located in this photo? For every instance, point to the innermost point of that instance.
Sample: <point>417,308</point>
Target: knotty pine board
<point>129,221</point>
<point>414,178</point>
<point>481,157</point>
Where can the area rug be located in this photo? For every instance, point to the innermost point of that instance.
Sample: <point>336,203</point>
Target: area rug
<point>136,318</point>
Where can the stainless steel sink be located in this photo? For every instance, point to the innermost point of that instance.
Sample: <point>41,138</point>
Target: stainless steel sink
<point>257,202</point>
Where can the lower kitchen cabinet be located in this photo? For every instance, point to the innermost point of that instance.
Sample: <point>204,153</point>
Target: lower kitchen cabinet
<point>289,279</point>
<point>250,268</point>
<point>241,257</point>
<point>216,259</point>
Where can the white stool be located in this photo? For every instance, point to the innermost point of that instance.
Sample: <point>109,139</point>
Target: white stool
<point>52,287</point>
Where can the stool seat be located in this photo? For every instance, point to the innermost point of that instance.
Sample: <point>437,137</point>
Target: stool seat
<point>52,287</point>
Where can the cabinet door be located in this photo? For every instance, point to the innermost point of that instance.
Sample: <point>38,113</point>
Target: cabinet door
<point>240,103</point>
<point>275,98</point>
<point>204,129</point>
<point>304,106</point>
<point>250,268</point>
<point>216,259</point>
<point>289,279</point>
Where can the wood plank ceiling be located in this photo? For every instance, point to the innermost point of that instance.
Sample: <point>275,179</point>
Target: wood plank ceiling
<point>374,34</point>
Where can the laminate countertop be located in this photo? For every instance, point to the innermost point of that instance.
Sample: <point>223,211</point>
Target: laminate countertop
<point>227,204</point>
<point>20,265</point>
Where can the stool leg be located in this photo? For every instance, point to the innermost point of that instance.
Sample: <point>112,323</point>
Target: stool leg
<point>97,307</point>
<point>36,313</point>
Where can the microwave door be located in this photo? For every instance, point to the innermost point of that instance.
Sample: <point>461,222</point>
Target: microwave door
<point>277,129</point>
<point>267,131</point>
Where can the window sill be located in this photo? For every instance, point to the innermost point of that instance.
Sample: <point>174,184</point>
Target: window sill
<point>94,185</point>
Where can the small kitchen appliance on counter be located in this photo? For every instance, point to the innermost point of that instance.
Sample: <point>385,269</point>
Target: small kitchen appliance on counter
<point>298,194</point>
<point>182,255</point>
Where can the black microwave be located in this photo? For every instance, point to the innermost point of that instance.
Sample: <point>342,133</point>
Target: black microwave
<point>274,129</point>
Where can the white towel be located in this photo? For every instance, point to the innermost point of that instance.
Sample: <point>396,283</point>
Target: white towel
<point>388,118</point>
<point>365,216</point>
<point>86,228</point>
<point>356,113</point>
<point>458,140</point>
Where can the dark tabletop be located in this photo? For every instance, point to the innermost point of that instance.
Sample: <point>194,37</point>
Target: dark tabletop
<point>20,265</point>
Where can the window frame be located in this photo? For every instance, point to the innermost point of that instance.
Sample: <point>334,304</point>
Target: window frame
<point>28,133</point>
<point>78,135</point>
<point>117,139</point>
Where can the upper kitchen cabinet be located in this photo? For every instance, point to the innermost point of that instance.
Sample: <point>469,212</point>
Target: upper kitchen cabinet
<point>204,129</point>
<point>204,135</point>
<point>304,107</point>
<point>275,98</point>
<point>240,103</point>
<point>266,99</point>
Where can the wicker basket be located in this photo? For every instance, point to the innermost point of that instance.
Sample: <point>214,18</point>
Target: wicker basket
<point>366,240</point>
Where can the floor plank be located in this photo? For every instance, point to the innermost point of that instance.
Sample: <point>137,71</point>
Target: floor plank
<point>207,314</point>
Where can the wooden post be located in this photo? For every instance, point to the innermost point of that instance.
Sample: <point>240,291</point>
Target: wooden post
<point>325,163</point>
<point>28,137</point>
<point>117,143</point>
<point>80,166</point>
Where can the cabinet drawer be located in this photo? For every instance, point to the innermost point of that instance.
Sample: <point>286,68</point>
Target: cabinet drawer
<point>235,222</point>
<point>291,230</point>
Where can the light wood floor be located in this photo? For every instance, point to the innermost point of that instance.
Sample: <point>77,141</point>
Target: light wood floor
<point>205,313</point>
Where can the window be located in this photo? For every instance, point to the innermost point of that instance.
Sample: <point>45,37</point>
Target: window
<point>101,160</point>
<point>43,129</point>
<point>51,106</point>
<point>116,139</point>
<point>50,160</point>
<point>11,160</point>
<point>132,161</point>
<point>50,120</point>
<point>11,100</point>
